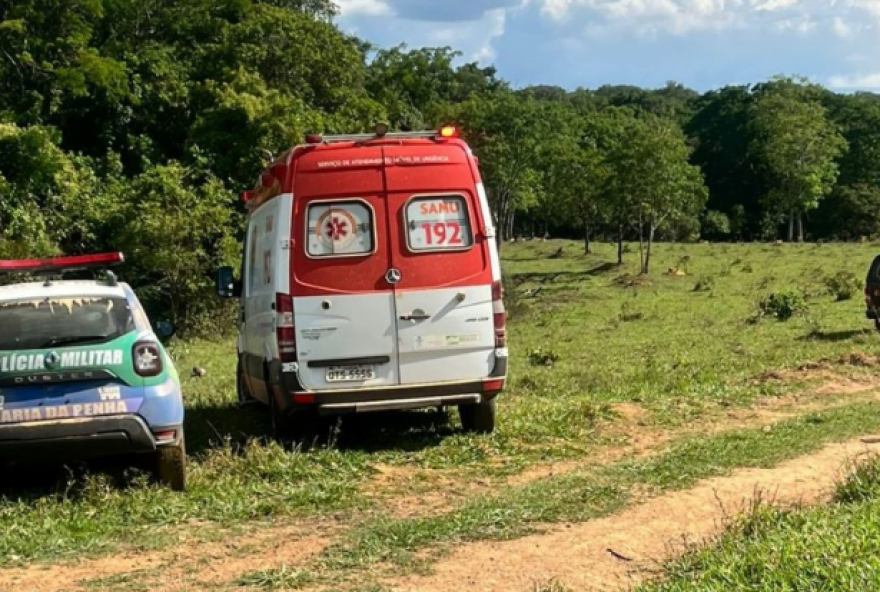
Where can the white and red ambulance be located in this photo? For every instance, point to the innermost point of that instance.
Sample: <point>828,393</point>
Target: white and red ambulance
<point>371,281</point>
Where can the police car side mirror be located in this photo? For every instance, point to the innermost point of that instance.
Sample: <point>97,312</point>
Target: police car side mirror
<point>227,287</point>
<point>165,330</point>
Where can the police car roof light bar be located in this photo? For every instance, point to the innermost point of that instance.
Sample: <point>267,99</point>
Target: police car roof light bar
<point>59,264</point>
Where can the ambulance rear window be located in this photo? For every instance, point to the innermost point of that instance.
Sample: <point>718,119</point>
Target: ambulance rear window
<point>340,229</point>
<point>438,223</point>
<point>65,322</point>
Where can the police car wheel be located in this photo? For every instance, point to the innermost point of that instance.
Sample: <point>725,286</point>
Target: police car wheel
<point>170,466</point>
<point>479,418</point>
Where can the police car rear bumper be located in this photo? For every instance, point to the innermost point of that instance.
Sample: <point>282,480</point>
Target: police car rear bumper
<point>77,438</point>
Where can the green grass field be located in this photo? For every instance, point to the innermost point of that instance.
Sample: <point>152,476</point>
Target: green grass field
<point>601,360</point>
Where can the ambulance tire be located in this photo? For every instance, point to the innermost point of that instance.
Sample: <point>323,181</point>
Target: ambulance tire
<point>479,418</point>
<point>170,466</point>
<point>283,427</point>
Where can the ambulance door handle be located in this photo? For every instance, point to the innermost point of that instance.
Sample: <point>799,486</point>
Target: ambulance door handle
<point>415,317</point>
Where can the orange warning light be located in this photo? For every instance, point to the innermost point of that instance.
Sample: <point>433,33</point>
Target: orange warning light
<point>448,132</point>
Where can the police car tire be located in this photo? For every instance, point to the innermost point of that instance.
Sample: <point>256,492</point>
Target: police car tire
<point>171,466</point>
<point>479,418</point>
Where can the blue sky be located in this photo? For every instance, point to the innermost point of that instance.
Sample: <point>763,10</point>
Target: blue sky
<point>703,44</point>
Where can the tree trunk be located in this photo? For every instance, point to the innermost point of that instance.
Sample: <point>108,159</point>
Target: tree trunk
<point>791,226</point>
<point>800,224</point>
<point>620,244</point>
<point>586,236</point>
<point>511,215</point>
<point>648,253</point>
<point>641,242</point>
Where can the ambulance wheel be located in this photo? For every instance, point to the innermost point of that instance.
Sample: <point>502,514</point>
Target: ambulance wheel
<point>479,418</point>
<point>170,466</point>
<point>282,425</point>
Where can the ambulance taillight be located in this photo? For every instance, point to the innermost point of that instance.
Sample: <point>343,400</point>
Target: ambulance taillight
<point>499,315</point>
<point>284,327</point>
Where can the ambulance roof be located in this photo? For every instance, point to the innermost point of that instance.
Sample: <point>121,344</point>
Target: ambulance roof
<point>61,289</point>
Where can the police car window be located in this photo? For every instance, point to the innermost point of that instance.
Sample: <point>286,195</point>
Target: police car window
<point>340,229</point>
<point>44,323</point>
<point>438,224</point>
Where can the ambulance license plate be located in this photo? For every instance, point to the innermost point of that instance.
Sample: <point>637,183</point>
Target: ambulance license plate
<point>350,373</point>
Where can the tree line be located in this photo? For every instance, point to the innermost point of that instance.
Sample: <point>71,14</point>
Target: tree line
<point>136,124</point>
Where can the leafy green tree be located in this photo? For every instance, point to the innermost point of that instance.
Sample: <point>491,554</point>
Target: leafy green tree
<point>506,133</point>
<point>799,147</point>
<point>850,212</point>
<point>178,224</point>
<point>719,132</point>
<point>576,178</point>
<point>716,224</point>
<point>652,173</point>
<point>416,85</point>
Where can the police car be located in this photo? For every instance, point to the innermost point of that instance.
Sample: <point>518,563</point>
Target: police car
<point>83,373</point>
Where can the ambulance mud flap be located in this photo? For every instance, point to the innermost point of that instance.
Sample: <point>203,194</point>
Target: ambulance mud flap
<point>500,368</point>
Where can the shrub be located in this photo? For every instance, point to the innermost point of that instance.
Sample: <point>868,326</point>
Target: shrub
<point>706,284</point>
<point>542,357</point>
<point>627,314</point>
<point>862,483</point>
<point>782,305</point>
<point>843,285</point>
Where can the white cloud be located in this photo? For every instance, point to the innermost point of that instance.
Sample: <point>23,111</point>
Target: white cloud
<point>841,27</point>
<point>349,8</point>
<point>681,16</point>
<point>864,81</point>
<point>770,5</point>
<point>803,24</point>
<point>556,9</point>
<point>474,38</point>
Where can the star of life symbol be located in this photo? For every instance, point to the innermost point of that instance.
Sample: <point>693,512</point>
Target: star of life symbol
<point>337,229</point>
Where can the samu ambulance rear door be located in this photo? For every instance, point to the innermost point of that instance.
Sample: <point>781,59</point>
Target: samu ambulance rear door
<point>444,296</point>
<point>343,306</point>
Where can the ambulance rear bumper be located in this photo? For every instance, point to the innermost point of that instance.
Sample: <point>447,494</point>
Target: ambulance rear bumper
<point>393,398</point>
<point>76,438</point>
<point>400,398</point>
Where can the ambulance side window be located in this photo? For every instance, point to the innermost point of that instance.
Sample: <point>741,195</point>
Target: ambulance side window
<point>340,229</point>
<point>251,279</point>
<point>438,223</point>
<point>244,268</point>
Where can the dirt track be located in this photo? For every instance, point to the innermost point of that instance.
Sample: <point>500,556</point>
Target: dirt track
<point>582,556</point>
